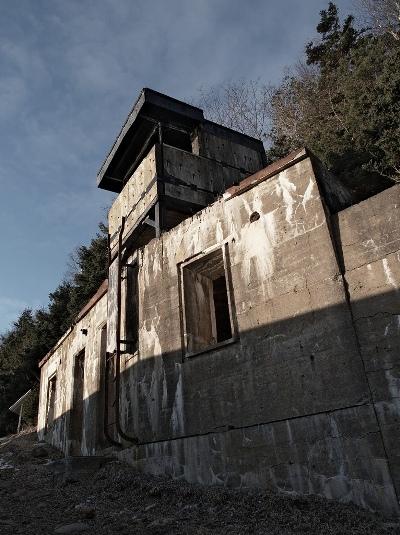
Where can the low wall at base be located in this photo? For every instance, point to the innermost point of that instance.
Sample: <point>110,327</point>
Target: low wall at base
<point>331,455</point>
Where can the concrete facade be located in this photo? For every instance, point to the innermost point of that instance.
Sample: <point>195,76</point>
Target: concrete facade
<point>252,343</point>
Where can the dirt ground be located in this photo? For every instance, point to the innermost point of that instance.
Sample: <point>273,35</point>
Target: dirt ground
<point>116,499</point>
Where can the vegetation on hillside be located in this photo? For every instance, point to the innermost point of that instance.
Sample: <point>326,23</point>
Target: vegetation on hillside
<point>342,101</point>
<point>33,334</point>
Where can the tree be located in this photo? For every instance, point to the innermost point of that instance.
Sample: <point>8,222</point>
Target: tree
<point>18,370</point>
<point>90,272</point>
<point>241,105</point>
<point>383,16</point>
<point>342,102</point>
<point>33,334</point>
<point>347,109</point>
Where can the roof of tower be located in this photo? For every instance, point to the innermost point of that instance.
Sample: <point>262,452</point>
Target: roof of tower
<point>150,108</point>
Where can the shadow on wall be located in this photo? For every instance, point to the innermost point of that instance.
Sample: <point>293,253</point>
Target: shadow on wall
<point>290,405</point>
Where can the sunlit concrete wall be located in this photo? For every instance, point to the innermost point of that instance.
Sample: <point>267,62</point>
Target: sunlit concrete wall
<point>287,405</point>
<point>305,398</point>
<point>61,362</point>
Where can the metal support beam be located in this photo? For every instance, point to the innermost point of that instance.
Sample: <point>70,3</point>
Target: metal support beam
<point>150,222</point>
<point>158,210</point>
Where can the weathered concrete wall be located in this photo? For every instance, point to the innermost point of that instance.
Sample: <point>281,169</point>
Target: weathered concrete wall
<point>304,398</point>
<point>369,235</point>
<point>195,179</point>
<point>138,194</point>
<point>287,405</point>
<point>337,454</point>
<point>61,363</point>
<point>203,173</point>
<point>221,144</point>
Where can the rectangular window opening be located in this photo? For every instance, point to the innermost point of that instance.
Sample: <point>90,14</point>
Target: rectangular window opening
<point>207,305</point>
<point>177,138</point>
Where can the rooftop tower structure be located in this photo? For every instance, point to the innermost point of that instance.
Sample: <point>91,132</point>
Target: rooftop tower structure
<point>169,162</point>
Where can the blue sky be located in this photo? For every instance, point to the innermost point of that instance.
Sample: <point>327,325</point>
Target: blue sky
<point>69,73</point>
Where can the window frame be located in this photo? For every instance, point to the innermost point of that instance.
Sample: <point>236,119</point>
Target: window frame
<point>224,247</point>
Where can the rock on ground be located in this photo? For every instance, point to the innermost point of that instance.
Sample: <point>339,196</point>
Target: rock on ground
<point>71,529</point>
<point>116,499</point>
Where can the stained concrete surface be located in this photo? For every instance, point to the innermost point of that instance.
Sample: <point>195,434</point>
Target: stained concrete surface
<point>291,404</point>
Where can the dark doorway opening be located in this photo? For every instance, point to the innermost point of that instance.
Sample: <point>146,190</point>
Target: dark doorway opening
<point>132,309</point>
<point>77,411</point>
<point>51,402</point>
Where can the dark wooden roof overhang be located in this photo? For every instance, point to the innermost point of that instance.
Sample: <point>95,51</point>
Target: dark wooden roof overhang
<point>150,109</point>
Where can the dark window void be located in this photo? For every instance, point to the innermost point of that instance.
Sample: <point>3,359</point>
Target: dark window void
<point>207,309</point>
<point>51,402</point>
<point>103,342</point>
<point>131,309</point>
<point>102,395</point>
<point>221,310</point>
<point>177,138</point>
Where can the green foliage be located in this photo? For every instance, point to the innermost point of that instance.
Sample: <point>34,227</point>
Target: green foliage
<point>34,333</point>
<point>336,42</point>
<point>91,270</point>
<point>342,101</point>
<point>30,406</point>
<point>345,107</point>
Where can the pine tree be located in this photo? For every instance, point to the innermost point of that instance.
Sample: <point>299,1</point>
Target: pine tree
<point>33,334</point>
<point>347,108</point>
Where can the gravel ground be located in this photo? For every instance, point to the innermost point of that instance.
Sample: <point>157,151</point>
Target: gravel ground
<point>116,499</point>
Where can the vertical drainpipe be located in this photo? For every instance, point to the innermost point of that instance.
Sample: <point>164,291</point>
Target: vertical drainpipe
<point>106,431</point>
<point>106,373</point>
<point>121,432</point>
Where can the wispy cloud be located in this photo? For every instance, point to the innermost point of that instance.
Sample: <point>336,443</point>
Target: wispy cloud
<point>70,72</point>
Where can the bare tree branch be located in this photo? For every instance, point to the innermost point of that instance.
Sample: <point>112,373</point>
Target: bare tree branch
<point>382,15</point>
<point>242,105</point>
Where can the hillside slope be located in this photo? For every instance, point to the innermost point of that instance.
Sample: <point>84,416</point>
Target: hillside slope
<point>116,499</point>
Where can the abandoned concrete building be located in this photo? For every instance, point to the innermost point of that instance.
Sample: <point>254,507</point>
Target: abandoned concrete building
<point>249,330</point>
